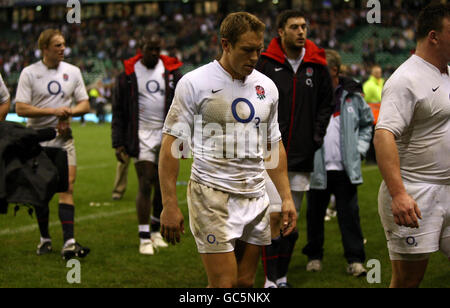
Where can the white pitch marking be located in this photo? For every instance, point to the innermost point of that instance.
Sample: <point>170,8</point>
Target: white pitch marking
<point>33,227</point>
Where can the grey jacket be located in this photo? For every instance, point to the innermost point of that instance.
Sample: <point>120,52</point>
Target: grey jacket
<point>356,120</point>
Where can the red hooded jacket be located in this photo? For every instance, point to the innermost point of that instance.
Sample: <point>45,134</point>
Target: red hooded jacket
<point>125,105</point>
<point>305,104</point>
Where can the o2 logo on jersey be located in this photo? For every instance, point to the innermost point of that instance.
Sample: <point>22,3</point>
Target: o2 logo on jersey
<point>240,114</point>
<point>54,88</point>
<point>152,86</point>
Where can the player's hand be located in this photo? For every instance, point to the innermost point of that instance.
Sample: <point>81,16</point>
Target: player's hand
<point>172,224</point>
<point>63,112</point>
<point>121,154</point>
<point>64,130</point>
<point>406,211</point>
<point>288,217</point>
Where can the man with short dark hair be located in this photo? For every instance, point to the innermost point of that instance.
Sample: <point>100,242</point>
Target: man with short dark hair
<point>412,142</point>
<point>227,111</point>
<point>143,95</point>
<point>299,69</point>
<point>44,95</point>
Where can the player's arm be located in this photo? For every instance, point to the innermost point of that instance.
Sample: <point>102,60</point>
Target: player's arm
<point>81,108</point>
<point>404,208</point>
<point>172,220</point>
<point>279,177</point>
<point>29,111</point>
<point>4,108</point>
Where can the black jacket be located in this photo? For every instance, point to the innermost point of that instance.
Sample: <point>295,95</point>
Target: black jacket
<point>306,101</point>
<point>29,174</point>
<point>125,106</point>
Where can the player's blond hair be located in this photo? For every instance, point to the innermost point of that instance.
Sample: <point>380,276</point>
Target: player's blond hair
<point>333,59</point>
<point>46,36</point>
<point>236,24</point>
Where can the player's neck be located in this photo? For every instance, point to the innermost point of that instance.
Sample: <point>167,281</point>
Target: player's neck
<point>224,63</point>
<point>432,56</point>
<point>50,64</point>
<point>148,65</point>
<point>292,53</point>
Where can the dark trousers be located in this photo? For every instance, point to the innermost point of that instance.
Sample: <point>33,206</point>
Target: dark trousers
<point>347,209</point>
<point>371,155</point>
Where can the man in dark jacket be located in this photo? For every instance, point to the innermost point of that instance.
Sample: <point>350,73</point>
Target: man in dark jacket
<point>142,98</point>
<point>299,69</point>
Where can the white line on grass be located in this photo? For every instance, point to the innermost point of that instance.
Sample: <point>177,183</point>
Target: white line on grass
<point>33,227</point>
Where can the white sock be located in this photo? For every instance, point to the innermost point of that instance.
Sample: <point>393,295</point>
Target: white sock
<point>282,280</point>
<point>69,242</point>
<point>44,240</point>
<point>269,284</point>
<point>144,228</point>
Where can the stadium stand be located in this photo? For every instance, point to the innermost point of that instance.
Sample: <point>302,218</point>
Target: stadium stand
<point>107,35</point>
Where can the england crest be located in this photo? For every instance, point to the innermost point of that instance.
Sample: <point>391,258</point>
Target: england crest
<point>260,92</point>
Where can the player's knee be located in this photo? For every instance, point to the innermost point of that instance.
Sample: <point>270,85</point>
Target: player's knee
<point>246,282</point>
<point>70,188</point>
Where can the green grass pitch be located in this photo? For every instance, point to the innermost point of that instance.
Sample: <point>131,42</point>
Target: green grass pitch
<point>109,228</point>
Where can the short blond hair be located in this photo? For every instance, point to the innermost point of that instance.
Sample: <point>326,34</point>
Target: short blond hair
<point>46,36</point>
<point>333,59</point>
<point>236,24</point>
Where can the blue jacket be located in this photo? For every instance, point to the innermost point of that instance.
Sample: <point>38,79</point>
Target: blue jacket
<point>355,132</point>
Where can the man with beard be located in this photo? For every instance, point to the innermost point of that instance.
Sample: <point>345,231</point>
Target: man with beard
<point>299,69</point>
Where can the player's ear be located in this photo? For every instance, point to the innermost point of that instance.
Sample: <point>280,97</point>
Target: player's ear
<point>432,35</point>
<point>226,45</point>
<point>280,32</point>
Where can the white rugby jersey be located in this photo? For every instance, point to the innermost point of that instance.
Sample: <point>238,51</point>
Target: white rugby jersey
<point>152,92</point>
<point>42,87</point>
<point>4,94</point>
<point>415,107</point>
<point>225,110</point>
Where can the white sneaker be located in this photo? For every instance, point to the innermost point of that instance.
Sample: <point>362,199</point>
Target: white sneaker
<point>356,269</point>
<point>158,240</point>
<point>314,266</point>
<point>146,248</point>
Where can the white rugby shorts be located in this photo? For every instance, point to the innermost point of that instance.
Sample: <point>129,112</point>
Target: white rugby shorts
<point>217,219</point>
<point>299,182</point>
<point>433,233</point>
<point>149,145</point>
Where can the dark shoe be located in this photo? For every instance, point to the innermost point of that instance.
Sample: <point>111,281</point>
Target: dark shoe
<point>44,248</point>
<point>74,250</point>
<point>284,285</point>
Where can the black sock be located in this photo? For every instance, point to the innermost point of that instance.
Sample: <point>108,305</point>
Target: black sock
<point>144,235</point>
<point>66,216</point>
<point>287,245</point>
<point>42,215</point>
<point>270,256</point>
<point>155,224</point>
